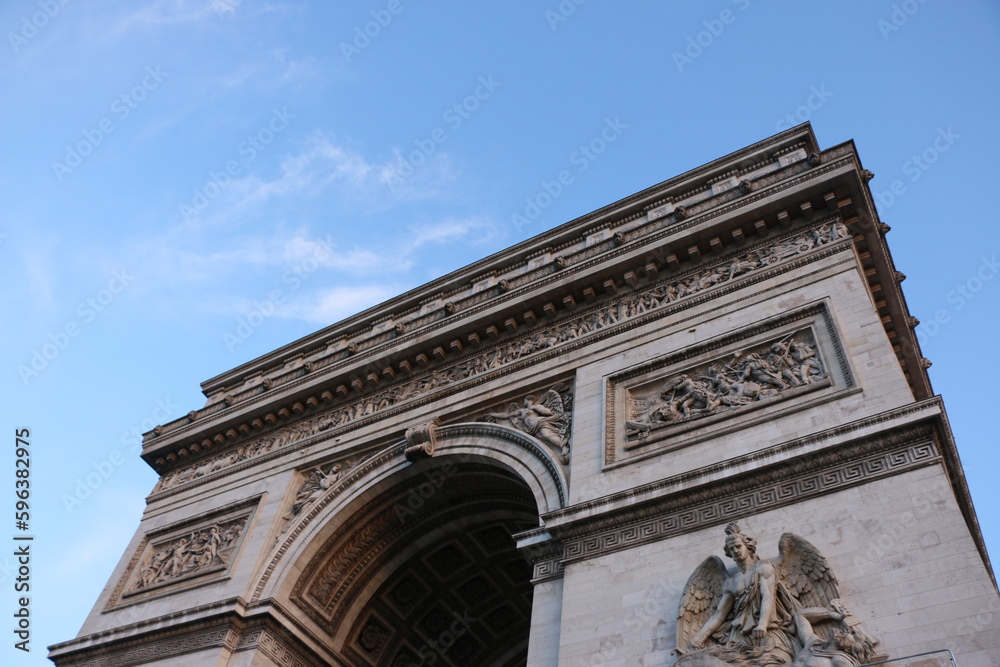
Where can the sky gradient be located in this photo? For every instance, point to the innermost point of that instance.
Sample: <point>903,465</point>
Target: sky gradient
<point>189,184</point>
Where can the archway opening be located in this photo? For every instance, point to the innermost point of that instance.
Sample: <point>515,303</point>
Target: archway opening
<point>427,571</point>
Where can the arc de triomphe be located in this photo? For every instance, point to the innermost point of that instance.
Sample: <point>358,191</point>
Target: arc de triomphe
<point>694,426</point>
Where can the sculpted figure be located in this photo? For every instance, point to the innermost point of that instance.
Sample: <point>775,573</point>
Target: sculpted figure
<point>767,613</point>
<point>756,368</point>
<point>318,482</point>
<point>546,419</point>
<point>806,364</point>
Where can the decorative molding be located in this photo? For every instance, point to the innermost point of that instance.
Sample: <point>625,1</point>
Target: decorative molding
<point>758,491</point>
<point>421,441</point>
<point>278,645</point>
<point>546,558</point>
<point>628,310</point>
<point>231,631</point>
<point>776,180</point>
<point>151,649</point>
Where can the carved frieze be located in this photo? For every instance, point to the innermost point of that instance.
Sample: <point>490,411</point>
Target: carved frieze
<point>784,363</point>
<point>625,307</point>
<point>742,380</point>
<point>201,551</point>
<point>546,415</point>
<point>189,551</point>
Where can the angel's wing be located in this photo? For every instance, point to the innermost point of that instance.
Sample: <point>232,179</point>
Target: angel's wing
<point>805,573</point>
<point>554,402</point>
<point>699,599</point>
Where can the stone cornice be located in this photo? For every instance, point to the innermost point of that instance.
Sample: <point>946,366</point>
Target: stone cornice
<point>679,186</point>
<point>790,481</point>
<point>642,248</point>
<point>654,231</point>
<point>477,373</point>
<point>229,625</point>
<point>902,417</point>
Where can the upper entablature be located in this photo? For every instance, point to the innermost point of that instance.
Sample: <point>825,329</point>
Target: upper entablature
<point>665,228</point>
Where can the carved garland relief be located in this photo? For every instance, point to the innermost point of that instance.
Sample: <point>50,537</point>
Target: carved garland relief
<point>630,306</point>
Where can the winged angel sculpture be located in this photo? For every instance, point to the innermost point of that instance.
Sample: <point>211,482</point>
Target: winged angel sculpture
<point>545,418</point>
<point>781,612</point>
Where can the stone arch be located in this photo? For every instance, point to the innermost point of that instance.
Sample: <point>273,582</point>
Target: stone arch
<point>390,521</point>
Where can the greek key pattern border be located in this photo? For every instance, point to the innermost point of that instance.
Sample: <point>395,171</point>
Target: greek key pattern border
<point>148,650</point>
<point>693,511</point>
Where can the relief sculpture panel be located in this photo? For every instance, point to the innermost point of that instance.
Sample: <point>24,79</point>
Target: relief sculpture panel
<point>546,415</point>
<point>189,552</point>
<point>764,371</point>
<point>739,381</point>
<point>200,551</point>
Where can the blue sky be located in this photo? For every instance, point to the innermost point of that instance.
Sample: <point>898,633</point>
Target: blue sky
<point>188,184</point>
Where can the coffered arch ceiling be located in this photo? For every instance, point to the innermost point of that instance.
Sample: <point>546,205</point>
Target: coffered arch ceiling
<point>427,566</point>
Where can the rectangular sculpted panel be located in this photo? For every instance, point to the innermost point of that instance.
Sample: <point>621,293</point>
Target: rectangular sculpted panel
<point>188,552</point>
<point>749,375</point>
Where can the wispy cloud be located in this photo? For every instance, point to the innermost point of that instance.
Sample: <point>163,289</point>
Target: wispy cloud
<point>475,230</point>
<point>324,168</point>
<point>334,304</point>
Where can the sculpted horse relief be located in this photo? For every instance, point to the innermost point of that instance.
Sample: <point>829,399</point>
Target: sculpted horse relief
<point>767,613</point>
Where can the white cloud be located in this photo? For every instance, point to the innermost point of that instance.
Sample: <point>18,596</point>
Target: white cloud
<point>334,304</point>
<point>476,228</point>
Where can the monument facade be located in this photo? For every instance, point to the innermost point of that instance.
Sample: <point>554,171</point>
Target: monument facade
<point>693,427</point>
